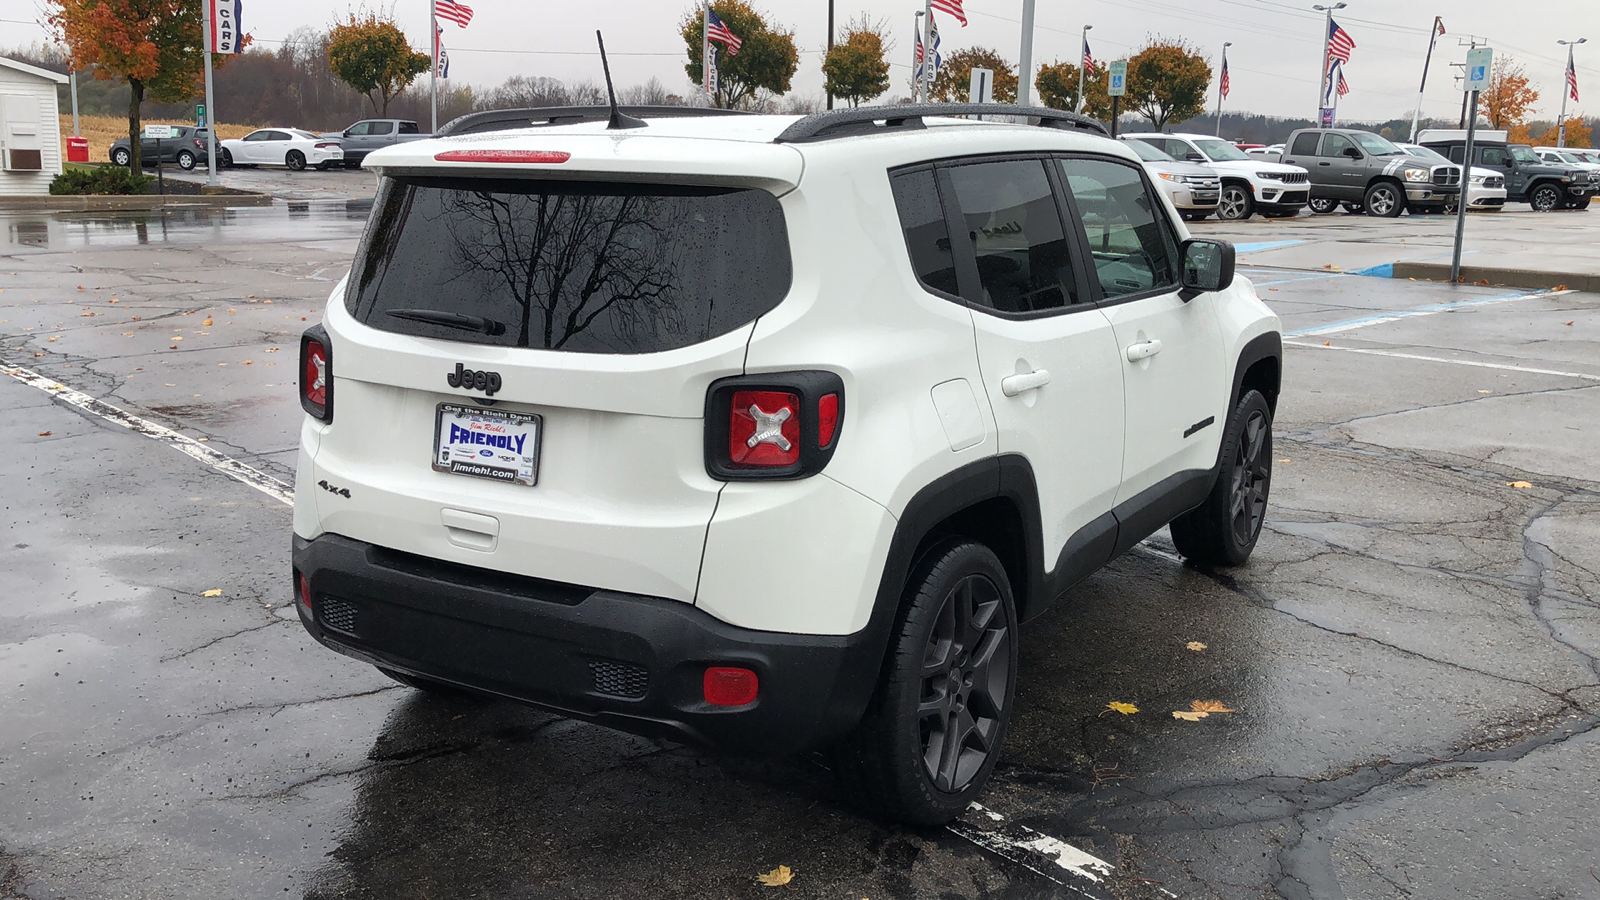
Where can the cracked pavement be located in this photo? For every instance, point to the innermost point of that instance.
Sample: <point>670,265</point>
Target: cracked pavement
<point>1413,655</point>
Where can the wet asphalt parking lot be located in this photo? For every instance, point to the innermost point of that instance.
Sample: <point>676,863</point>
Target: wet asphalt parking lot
<point>1410,657</point>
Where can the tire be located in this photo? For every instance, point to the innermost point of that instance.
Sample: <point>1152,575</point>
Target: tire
<point>957,616</point>
<point>1578,204</point>
<point>1322,205</point>
<point>1384,200</point>
<point>1354,209</point>
<point>423,684</point>
<point>1235,203</point>
<point>1195,215</point>
<point>1223,530</point>
<point>120,156</point>
<point>1545,198</point>
<point>295,160</point>
<point>227,159</point>
<point>186,161</point>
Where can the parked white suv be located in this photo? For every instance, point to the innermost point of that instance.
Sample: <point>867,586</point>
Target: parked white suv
<point>1249,184</point>
<point>1192,188</point>
<point>763,433</point>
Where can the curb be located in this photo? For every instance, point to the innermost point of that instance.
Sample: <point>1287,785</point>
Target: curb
<point>1521,278</point>
<point>53,203</point>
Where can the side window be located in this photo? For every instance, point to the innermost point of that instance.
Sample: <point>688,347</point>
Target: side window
<point>277,136</point>
<point>916,198</point>
<point>380,127</point>
<point>409,128</point>
<point>1491,156</point>
<point>1014,230</point>
<point>1305,144</point>
<point>1129,238</point>
<point>359,129</point>
<point>1336,144</point>
<point>258,135</point>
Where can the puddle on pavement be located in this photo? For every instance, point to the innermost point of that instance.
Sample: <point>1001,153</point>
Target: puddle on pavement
<point>291,221</point>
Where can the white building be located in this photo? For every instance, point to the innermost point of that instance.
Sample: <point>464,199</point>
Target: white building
<point>30,129</point>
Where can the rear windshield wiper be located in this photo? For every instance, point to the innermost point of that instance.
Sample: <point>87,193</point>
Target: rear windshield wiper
<point>451,320</point>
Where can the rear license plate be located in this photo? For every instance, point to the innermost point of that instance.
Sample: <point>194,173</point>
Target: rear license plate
<point>487,443</point>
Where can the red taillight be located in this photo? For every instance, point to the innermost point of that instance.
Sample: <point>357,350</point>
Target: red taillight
<point>316,374</point>
<point>302,590</point>
<point>503,156</point>
<point>764,429</point>
<point>827,419</point>
<point>327,145</point>
<point>729,686</point>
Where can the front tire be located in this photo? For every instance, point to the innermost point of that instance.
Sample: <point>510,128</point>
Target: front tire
<point>932,735</point>
<point>295,160</point>
<point>1578,204</point>
<point>1236,204</point>
<point>1384,200</point>
<point>1322,205</point>
<point>1223,530</point>
<point>1545,198</point>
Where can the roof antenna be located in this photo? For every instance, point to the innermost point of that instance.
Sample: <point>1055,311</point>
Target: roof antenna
<point>618,120</point>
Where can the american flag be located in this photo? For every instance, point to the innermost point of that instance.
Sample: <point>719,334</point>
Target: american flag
<point>1572,81</point>
<point>716,31</point>
<point>1338,76</point>
<point>953,7</point>
<point>1339,42</point>
<point>1088,60</point>
<point>937,60</point>
<point>1224,84</point>
<point>441,59</point>
<point>451,11</point>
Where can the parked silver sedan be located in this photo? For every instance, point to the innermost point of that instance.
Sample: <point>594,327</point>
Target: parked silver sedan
<point>1193,189</point>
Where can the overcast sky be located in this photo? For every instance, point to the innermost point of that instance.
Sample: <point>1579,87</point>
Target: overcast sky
<point>1273,61</point>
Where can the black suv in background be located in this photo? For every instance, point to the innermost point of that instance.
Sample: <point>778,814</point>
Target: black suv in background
<point>1529,179</point>
<point>1366,171</point>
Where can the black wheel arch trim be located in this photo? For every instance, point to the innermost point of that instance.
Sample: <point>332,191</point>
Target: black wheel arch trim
<point>1258,348</point>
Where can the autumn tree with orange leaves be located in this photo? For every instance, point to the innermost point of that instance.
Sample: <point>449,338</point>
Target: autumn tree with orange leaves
<point>152,45</point>
<point>1509,99</point>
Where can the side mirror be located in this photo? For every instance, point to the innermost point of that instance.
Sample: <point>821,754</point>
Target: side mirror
<point>1192,156</point>
<point>1352,152</point>
<point>1207,266</point>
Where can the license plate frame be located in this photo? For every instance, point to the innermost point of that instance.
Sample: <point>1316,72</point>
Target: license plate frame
<point>515,462</point>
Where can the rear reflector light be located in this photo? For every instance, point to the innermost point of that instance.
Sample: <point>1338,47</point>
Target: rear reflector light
<point>503,156</point>
<point>827,419</point>
<point>316,374</point>
<point>729,686</point>
<point>764,429</point>
<point>302,588</point>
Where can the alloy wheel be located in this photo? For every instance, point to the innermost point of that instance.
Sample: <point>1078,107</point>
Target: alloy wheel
<point>1322,205</point>
<point>1545,199</point>
<point>965,669</point>
<point>1381,201</point>
<point>1251,473</point>
<point>1234,204</point>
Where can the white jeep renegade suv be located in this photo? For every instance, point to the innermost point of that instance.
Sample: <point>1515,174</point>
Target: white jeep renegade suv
<point>764,433</point>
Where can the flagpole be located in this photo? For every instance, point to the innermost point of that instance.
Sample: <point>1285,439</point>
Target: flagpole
<point>433,70</point>
<point>1025,55</point>
<point>705,48</point>
<point>1327,47</point>
<point>1433,36</point>
<point>1224,73</point>
<point>916,65</point>
<point>211,111</point>
<point>927,51</point>
<point>1566,90</point>
<point>1083,54</point>
<point>1333,85</point>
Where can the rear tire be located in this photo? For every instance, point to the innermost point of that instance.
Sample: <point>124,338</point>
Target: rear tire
<point>1384,200</point>
<point>295,160</point>
<point>227,159</point>
<point>1354,209</point>
<point>1223,530</point>
<point>423,684</point>
<point>121,157</point>
<point>1322,205</point>
<point>932,735</point>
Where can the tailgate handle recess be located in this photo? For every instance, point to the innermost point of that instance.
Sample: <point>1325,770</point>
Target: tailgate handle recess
<point>473,531</point>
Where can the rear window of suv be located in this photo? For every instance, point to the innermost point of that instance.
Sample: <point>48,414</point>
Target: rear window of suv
<point>583,267</point>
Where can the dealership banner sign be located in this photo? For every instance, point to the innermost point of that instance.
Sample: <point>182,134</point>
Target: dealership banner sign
<point>226,31</point>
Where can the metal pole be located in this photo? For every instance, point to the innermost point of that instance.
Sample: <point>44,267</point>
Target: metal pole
<point>1422,88</point>
<point>927,51</point>
<point>1083,52</point>
<point>705,50</point>
<point>211,110</point>
<point>73,76</point>
<point>1322,79</point>
<point>433,70</point>
<point>1025,56</point>
<point>916,76</point>
<point>1116,111</point>
<point>830,43</point>
<point>1566,91</point>
<point>1225,47</point>
<point>1461,205</point>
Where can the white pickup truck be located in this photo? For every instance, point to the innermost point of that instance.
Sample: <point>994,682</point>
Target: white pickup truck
<point>368,135</point>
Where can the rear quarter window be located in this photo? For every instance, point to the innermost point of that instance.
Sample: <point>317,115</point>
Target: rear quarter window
<point>582,267</point>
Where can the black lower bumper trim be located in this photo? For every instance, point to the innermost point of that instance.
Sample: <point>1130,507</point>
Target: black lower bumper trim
<point>626,661</point>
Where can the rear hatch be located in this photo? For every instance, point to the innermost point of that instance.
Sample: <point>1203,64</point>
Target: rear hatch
<point>521,356</point>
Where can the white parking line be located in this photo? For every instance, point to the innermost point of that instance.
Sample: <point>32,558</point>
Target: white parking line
<point>1036,851</point>
<point>1444,359</point>
<point>1430,310</point>
<point>184,444</point>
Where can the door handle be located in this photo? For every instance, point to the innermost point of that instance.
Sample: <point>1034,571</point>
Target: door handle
<point>1324,163</point>
<point>1012,385</point>
<point>1143,350</point>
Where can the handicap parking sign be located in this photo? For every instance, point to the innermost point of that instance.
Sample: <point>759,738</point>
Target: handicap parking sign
<point>1479,61</point>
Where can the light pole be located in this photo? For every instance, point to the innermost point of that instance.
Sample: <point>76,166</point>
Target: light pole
<point>1025,56</point>
<point>830,45</point>
<point>917,61</point>
<point>1566,90</point>
<point>1322,77</point>
<point>1083,56</point>
<point>1222,75</point>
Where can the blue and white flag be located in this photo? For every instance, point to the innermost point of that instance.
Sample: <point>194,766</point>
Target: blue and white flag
<point>226,31</point>
<point>938,61</point>
<point>441,59</point>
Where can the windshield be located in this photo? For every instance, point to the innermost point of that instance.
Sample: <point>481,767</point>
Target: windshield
<point>1424,153</point>
<point>1376,144</point>
<point>1523,154</point>
<point>1147,152</point>
<point>1221,151</point>
<point>1568,157</point>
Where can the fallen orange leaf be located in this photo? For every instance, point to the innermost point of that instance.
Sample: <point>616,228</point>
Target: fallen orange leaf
<point>1209,706</point>
<point>1519,485</point>
<point>44,434</point>
<point>1196,646</point>
<point>1188,716</point>
<point>778,877</point>
<point>1126,709</point>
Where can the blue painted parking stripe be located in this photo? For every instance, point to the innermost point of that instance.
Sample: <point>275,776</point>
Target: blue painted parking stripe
<point>1264,245</point>
<point>1429,310</point>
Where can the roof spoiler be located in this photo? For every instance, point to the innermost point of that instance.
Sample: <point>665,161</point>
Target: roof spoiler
<point>847,122</point>
<point>545,116</point>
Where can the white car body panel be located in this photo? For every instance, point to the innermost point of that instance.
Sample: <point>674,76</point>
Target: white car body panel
<point>276,152</point>
<point>1262,175</point>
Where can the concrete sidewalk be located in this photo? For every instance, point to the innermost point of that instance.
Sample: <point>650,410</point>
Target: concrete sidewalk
<point>1516,246</point>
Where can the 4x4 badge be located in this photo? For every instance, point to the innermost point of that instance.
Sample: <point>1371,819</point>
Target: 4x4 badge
<point>462,377</point>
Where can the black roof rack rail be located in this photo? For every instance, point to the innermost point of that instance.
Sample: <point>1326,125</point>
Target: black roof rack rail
<point>863,120</point>
<point>505,119</point>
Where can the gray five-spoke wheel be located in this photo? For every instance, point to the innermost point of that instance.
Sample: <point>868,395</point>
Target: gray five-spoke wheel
<point>1234,203</point>
<point>1251,474</point>
<point>965,670</point>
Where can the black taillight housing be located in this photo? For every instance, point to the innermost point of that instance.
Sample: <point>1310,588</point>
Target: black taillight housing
<point>773,426</point>
<point>316,374</point>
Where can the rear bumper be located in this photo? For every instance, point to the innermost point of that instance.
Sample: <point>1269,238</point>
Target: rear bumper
<point>629,662</point>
